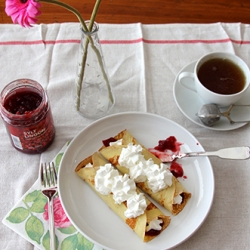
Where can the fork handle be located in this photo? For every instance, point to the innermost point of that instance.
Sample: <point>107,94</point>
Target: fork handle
<point>51,223</point>
<point>237,153</point>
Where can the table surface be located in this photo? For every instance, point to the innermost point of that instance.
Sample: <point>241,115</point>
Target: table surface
<point>143,62</point>
<point>148,11</point>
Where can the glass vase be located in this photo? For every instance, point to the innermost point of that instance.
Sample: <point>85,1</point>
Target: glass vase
<point>93,93</point>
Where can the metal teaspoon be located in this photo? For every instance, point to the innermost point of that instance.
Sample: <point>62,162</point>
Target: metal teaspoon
<point>209,114</point>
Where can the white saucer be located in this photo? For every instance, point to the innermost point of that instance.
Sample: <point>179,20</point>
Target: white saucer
<point>189,104</point>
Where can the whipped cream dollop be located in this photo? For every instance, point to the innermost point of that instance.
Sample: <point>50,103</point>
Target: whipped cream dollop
<point>136,206</point>
<point>123,188</point>
<point>140,169</point>
<point>108,180</point>
<point>154,224</point>
<point>118,142</point>
<point>104,178</point>
<point>178,199</point>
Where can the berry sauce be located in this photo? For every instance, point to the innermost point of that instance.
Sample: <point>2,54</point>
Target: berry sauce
<point>164,151</point>
<point>22,102</point>
<point>107,141</point>
<point>169,143</point>
<point>176,169</point>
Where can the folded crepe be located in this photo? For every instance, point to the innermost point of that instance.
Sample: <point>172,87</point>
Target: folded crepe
<point>138,224</point>
<point>165,197</point>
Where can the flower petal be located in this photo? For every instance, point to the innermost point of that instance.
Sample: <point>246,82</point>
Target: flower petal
<point>24,13</point>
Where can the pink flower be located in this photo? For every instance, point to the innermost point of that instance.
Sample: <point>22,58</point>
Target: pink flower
<point>60,218</point>
<point>23,12</point>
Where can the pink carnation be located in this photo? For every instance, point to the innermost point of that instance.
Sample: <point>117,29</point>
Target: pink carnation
<point>60,218</point>
<point>23,12</point>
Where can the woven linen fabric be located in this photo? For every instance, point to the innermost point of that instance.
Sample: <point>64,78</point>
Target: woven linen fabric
<point>143,62</point>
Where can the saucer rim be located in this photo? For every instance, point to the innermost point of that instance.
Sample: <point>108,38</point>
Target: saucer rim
<point>198,122</point>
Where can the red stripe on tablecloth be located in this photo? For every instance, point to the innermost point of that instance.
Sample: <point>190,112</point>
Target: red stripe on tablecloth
<point>133,41</point>
<point>173,41</point>
<point>139,40</point>
<point>35,42</point>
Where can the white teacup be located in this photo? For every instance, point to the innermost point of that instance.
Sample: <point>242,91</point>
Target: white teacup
<point>207,95</point>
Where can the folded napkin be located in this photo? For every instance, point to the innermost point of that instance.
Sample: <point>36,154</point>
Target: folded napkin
<point>29,218</point>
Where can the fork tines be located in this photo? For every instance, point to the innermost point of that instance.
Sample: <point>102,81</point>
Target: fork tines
<point>48,174</point>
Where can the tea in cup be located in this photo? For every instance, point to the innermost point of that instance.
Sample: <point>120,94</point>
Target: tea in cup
<point>220,78</point>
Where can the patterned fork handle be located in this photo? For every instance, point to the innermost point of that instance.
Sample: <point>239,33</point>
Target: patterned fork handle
<point>50,195</point>
<point>48,177</point>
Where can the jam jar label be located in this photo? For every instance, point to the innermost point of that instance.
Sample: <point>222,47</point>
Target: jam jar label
<point>33,133</point>
<point>29,139</point>
<point>33,138</point>
<point>16,141</point>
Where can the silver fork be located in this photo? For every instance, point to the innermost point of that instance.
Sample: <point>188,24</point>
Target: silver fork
<point>237,153</point>
<point>48,177</point>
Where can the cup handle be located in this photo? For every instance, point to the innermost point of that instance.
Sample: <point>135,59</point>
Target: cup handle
<point>186,84</point>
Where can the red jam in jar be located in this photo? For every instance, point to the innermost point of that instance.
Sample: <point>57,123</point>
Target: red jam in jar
<point>27,115</point>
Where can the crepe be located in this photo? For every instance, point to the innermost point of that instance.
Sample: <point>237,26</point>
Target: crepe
<point>138,224</point>
<point>164,197</point>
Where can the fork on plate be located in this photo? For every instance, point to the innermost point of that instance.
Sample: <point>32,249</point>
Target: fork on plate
<point>48,178</point>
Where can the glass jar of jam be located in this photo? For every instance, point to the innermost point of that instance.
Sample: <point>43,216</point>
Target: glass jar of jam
<point>26,112</point>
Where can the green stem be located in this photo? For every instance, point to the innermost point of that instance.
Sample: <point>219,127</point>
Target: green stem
<point>84,58</point>
<point>88,40</point>
<point>70,8</point>
<point>99,57</point>
<point>94,13</point>
<point>80,77</point>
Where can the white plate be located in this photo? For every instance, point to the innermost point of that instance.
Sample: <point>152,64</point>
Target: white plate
<point>92,217</point>
<point>189,104</point>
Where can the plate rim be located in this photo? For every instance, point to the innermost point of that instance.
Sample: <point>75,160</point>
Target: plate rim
<point>208,208</point>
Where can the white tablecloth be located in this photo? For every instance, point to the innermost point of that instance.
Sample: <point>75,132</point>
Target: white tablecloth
<point>142,62</point>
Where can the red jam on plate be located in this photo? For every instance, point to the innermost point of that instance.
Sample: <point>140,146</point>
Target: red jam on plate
<point>166,148</point>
